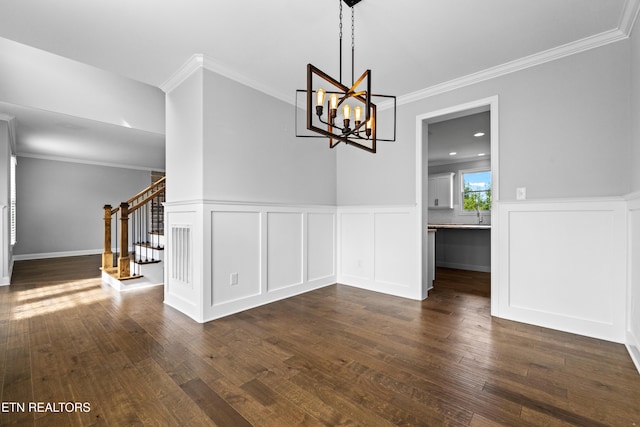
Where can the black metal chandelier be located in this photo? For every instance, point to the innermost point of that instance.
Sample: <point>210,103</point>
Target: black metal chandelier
<point>342,113</point>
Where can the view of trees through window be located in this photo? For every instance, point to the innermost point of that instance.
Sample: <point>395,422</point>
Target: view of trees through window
<point>477,190</point>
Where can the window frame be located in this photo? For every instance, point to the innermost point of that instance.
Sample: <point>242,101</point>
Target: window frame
<point>461,173</point>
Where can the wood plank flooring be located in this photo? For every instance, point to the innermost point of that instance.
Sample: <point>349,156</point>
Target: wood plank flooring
<point>338,356</point>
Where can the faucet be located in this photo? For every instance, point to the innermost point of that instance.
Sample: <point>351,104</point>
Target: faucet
<point>480,219</point>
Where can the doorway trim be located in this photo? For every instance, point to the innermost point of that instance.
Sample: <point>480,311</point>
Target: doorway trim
<point>492,103</point>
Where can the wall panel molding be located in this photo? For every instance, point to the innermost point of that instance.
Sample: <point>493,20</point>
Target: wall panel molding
<point>563,265</point>
<point>246,255</point>
<point>377,249</point>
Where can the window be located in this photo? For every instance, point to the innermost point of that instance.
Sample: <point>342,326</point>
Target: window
<point>13,200</point>
<point>476,190</point>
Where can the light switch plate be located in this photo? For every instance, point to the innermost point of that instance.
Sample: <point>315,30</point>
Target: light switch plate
<point>521,193</point>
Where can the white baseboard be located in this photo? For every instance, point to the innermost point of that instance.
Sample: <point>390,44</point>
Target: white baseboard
<point>44,255</point>
<point>633,347</point>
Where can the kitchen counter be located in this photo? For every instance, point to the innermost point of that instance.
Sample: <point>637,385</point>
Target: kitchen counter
<point>460,226</point>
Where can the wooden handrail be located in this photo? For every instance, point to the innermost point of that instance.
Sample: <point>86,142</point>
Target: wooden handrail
<point>149,188</point>
<point>145,200</point>
<point>146,190</point>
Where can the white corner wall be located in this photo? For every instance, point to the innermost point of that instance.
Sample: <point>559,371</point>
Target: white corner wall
<point>223,258</point>
<point>250,212</point>
<point>633,289</point>
<point>633,306</point>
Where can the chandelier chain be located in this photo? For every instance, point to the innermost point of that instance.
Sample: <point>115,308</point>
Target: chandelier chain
<point>340,33</point>
<point>340,41</point>
<point>353,29</point>
<point>353,44</point>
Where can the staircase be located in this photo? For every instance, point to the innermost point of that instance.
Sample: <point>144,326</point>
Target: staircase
<point>137,228</point>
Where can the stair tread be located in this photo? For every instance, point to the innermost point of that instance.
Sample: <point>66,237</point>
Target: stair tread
<point>150,246</point>
<point>154,261</point>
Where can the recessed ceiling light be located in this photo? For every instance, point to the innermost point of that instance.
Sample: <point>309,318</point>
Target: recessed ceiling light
<point>481,154</point>
<point>478,134</point>
<point>453,153</point>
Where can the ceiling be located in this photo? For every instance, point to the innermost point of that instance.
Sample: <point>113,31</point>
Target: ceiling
<point>453,140</point>
<point>410,45</point>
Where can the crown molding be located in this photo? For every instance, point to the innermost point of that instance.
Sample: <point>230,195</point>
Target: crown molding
<point>88,162</point>
<point>11,123</point>
<point>192,65</point>
<point>6,117</point>
<point>629,16</point>
<point>559,52</point>
<point>198,61</point>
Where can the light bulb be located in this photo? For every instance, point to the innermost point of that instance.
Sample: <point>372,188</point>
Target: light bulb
<point>333,100</point>
<point>358,114</point>
<point>346,111</point>
<point>320,97</point>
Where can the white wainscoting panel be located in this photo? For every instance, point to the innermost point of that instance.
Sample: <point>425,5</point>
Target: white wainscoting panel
<point>321,244</point>
<point>633,288</point>
<point>245,255</point>
<point>235,251</point>
<point>394,230</point>
<point>181,266</point>
<point>564,266</point>
<point>356,246</point>
<point>377,249</point>
<point>285,259</point>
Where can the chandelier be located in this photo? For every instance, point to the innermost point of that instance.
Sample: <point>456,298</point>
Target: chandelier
<point>339,112</point>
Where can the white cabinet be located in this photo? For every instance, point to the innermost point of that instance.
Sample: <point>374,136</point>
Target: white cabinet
<point>441,191</point>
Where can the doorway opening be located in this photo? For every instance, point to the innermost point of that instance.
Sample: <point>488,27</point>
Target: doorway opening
<point>457,191</point>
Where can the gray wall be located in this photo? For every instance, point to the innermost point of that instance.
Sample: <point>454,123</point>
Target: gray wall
<point>564,132</point>
<point>5,158</point>
<point>59,204</point>
<point>251,153</point>
<point>184,163</point>
<point>635,106</point>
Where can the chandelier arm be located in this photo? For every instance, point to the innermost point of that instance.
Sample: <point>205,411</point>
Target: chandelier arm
<point>351,133</point>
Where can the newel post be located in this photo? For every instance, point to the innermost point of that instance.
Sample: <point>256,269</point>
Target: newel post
<point>124,263</point>
<point>107,255</point>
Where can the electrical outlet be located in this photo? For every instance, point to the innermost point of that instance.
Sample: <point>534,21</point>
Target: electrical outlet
<point>233,279</point>
<point>521,193</point>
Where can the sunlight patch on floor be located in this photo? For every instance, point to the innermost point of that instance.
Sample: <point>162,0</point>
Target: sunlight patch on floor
<point>49,299</point>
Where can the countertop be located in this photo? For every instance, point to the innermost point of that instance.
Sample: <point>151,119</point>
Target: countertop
<point>461,226</point>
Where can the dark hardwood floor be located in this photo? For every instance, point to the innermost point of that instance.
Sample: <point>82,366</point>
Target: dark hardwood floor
<point>337,356</point>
